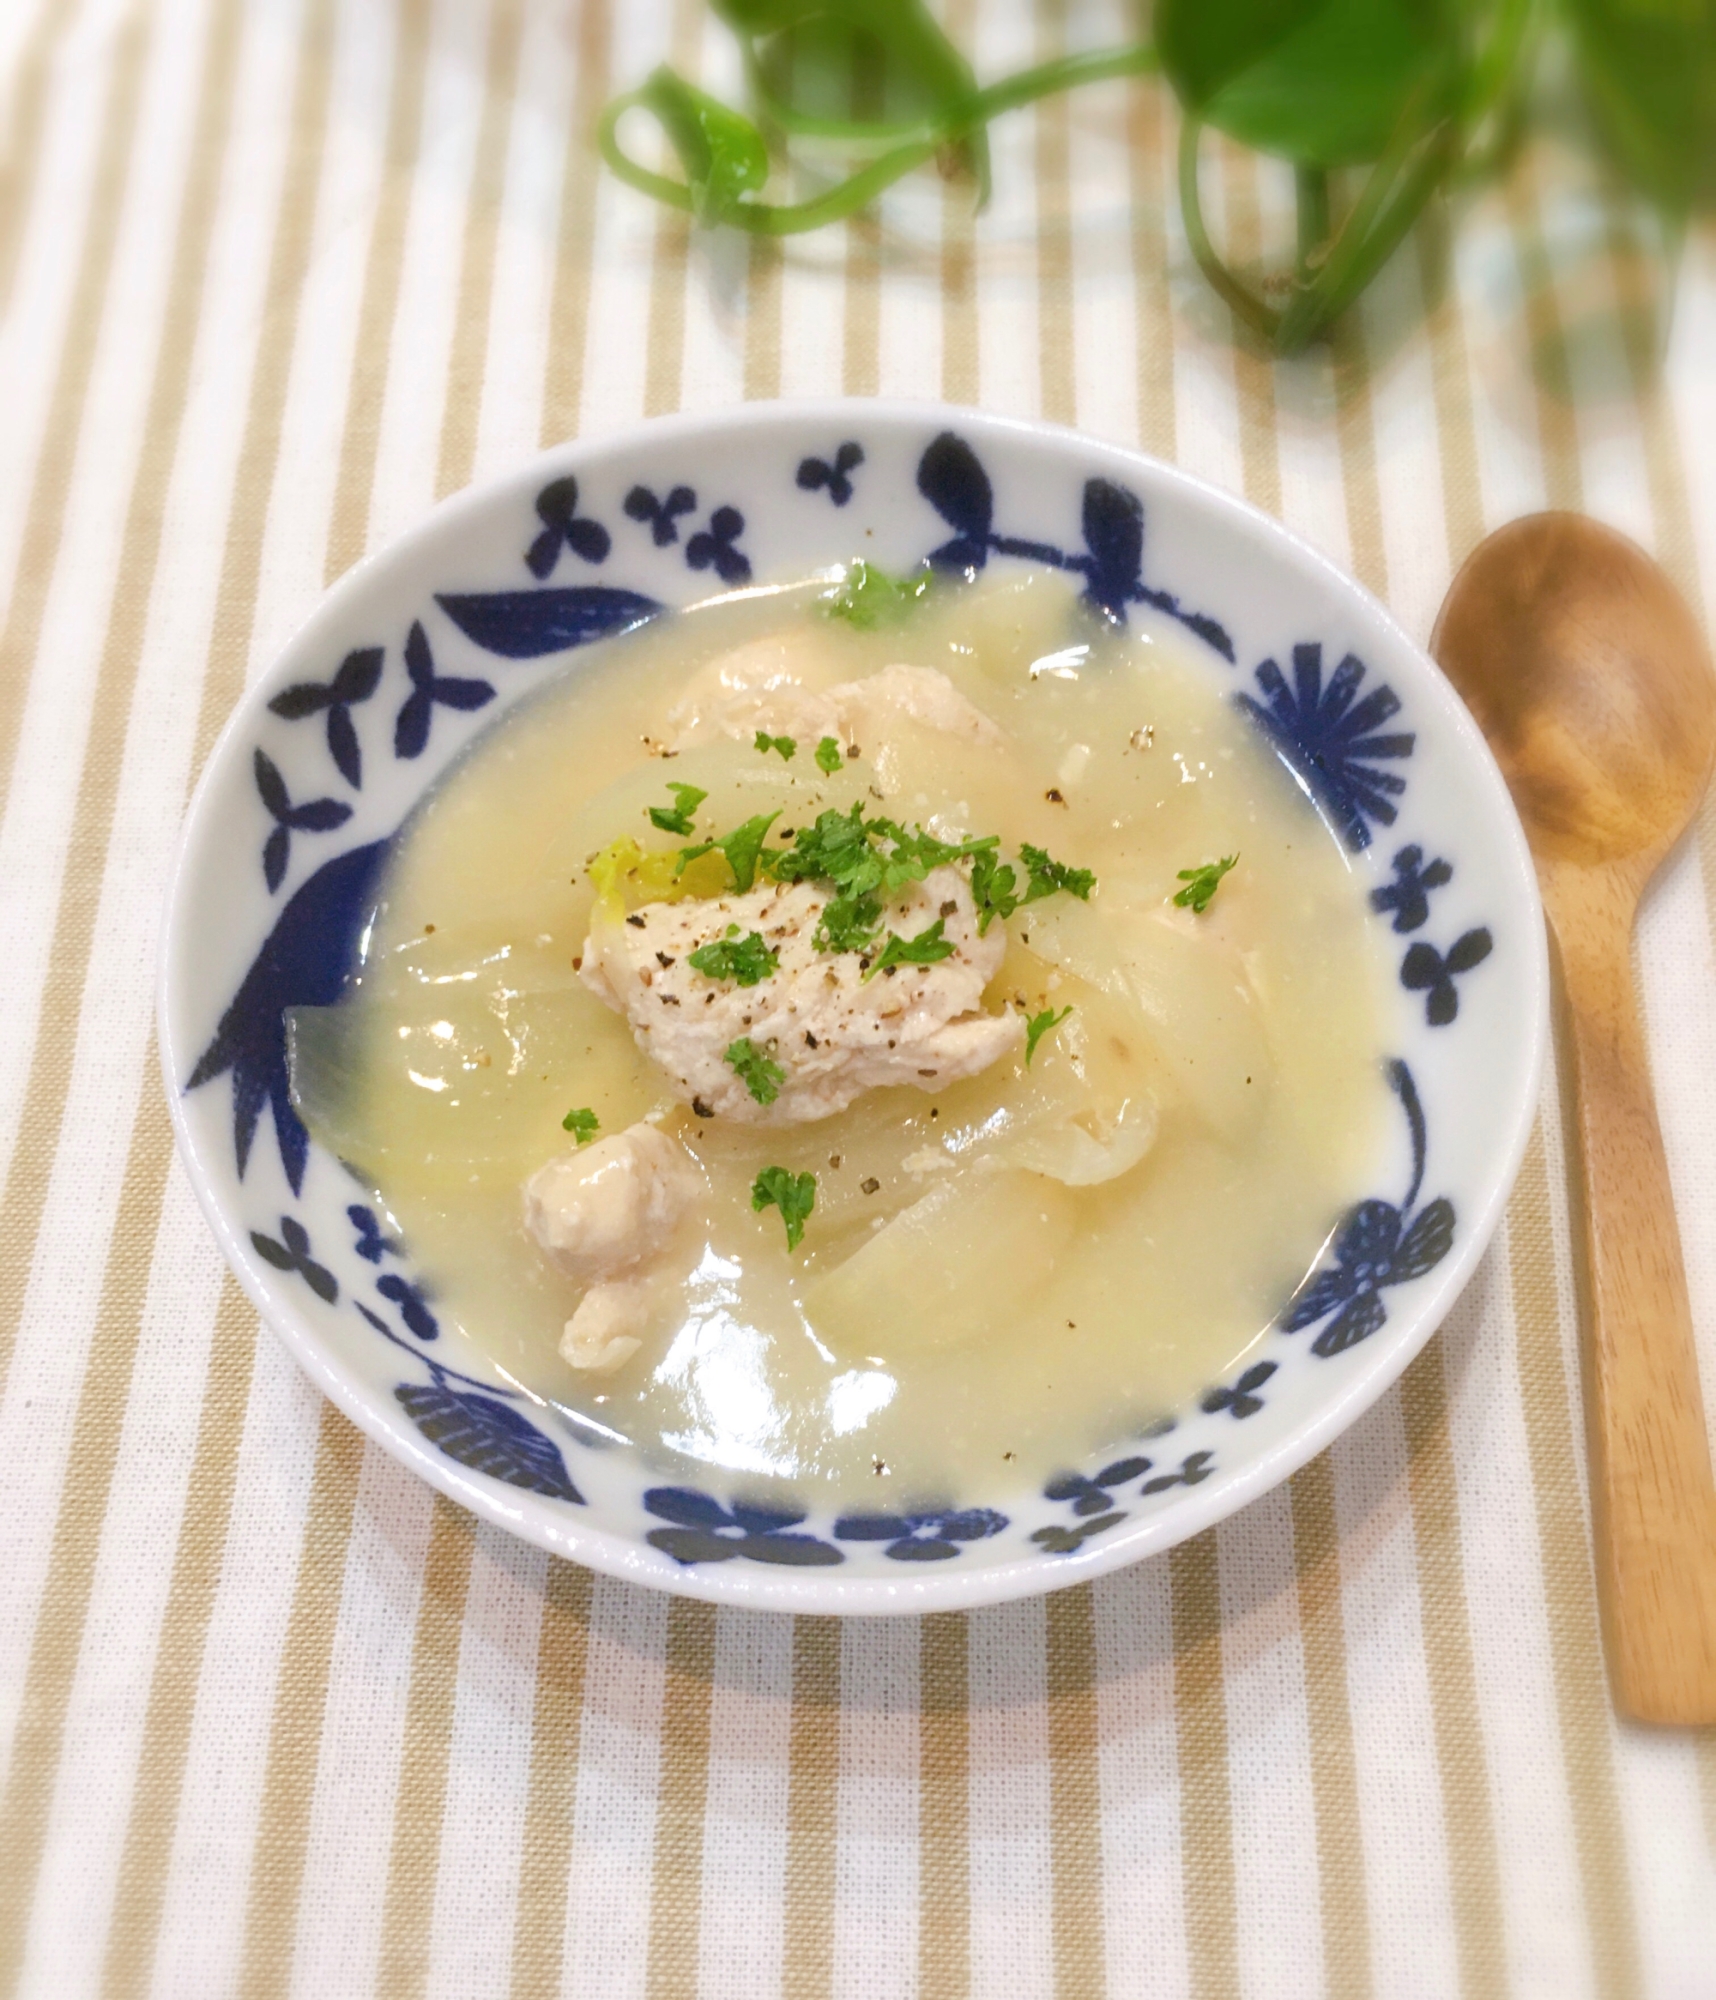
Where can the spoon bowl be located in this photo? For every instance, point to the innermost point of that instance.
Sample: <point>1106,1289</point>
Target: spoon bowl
<point>1592,682</point>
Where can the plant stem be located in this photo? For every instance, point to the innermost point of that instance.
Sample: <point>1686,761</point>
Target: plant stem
<point>1311,191</point>
<point>1259,317</point>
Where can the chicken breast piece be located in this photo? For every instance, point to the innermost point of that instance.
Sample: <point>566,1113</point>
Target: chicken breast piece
<point>606,1210</point>
<point>834,1033</point>
<point>606,1330</point>
<point>731,700</point>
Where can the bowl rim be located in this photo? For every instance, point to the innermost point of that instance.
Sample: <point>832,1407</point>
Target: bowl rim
<point>823,1591</point>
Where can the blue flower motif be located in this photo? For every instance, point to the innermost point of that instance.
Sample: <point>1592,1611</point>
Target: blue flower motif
<point>705,1531</point>
<point>715,546</point>
<point>373,1243</point>
<point>931,1537</point>
<point>1330,739</point>
<point>1242,1400</point>
<point>564,527</point>
<point>412,1302</point>
<point>305,963</point>
<point>1431,972</point>
<point>314,816</point>
<point>1091,1496</point>
<point>429,690</point>
<point>815,473</point>
<point>662,515</point>
<point>1408,895</point>
<point>1377,1245</point>
<point>292,1253</point>
<point>357,678</point>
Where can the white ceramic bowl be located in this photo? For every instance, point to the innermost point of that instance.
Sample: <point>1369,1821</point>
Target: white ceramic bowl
<point>424,645</point>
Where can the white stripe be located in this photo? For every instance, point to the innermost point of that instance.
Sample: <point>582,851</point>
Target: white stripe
<point>745,1822</point>
<point>876,1859</point>
<point>1012,1889</point>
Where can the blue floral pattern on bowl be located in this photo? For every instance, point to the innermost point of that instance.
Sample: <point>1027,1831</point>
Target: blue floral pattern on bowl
<point>387,686</point>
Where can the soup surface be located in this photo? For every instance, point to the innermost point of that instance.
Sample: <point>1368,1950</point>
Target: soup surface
<point>905,1194</point>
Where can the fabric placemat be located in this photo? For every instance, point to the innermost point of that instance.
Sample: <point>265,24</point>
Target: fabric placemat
<point>277,274</point>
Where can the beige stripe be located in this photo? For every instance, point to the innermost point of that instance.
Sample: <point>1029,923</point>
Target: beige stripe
<point>58,1638</point>
<point>197,1559</point>
<point>295,1733</point>
<point>419,1805</point>
<point>44,524</point>
<point>1148,156</point>
<point>959,337</point>
<point>1334,1771</point>
<point>545,1865</point>
<point>813,1797</point>
<point>1057,376</point>
<point>1355,431</point>
<point>259,450</point>
<point>1450,388</point>
<point>1581,1692</point>
<point>861,341</point>
<point>664,355</point>
<point>763,320</point>
<point>462,411</point>
<point>1075,1794</point>
<point>360,441</point>
<point>569,308</point>
<point>676,1889</point>
<point>24,150</point>
<point>1253,366</point>
<point>1558,437</point>
<point>1206,1807</point>
<point>1474,1866</point>
<point>944,1811</point>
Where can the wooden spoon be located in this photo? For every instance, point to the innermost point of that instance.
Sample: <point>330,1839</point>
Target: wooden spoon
<point>1591,681</point>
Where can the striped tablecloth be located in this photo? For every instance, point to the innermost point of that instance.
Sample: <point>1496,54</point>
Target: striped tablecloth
<point>275,275</point>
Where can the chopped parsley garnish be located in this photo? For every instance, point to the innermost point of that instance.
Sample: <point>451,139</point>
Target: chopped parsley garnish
<point>1039,1025</point>
<point>744,960</point>
<point>994,888</point>
<point>793,1194</point>
<point>929,947</point>
<point>786,745</point>
<point>1048,875</point>
<point>828,756</point>
<point>761,1076</point>
<point>849,923</point>
<point>741,847</point>
<point>583,1124</point>
<point>868,597</point>
<point>1201,884</point>
<point>677,817</point>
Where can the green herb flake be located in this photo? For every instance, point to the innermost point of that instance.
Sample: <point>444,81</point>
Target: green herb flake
<point>994,888</point>
<point>1201,884</point>
<point>828,756</point>
<point>929,947</point>
<point>786,745</point>
<point>760,1075</point>
<point>1047,876</point>
<point>745,962</point>
<point>868,597</point>
<point>583,1124</point>
<point>742,847</point>
<point>1039,1025</point>
<point>677,818</point>
<point>793,1194</point>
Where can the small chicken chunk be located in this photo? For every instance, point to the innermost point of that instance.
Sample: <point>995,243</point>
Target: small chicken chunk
<point>830,1031</point>
<point>738,700</point>
<point>605,1210</point>
<point>605,1331</point>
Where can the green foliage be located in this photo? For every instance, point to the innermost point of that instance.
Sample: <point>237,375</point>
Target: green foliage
<point>677,818</point>
<point>828,757</point>
<point>1038,1025</point>
<point>759,1073</point>
<point>1201,884</point>
<point>1649,70</point>
<point>747,961</point>
<point>1047,875</point>
<point>583,1124</point>
<point>785,745</point>
<point>929,947</point>
<point>720,152</point>
<point>742,847</point>
<point>793,1194</point>
<point>868,596</point>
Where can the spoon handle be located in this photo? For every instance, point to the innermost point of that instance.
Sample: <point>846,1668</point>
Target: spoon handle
<point>1653,1498</point>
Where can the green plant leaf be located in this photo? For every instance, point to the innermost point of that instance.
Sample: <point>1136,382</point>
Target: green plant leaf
<point>1321,82</point>
<point>1649,69</point>
<point>720,152</point>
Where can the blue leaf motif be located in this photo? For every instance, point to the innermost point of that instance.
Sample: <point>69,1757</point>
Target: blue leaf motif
<point>717,547</point>
<point>529,624</point>
<point>356,679</point>
<point>430,690</point>
<point>951,478</point>
<point>564,527</point>
<point>314,816</point>
<point>1431,972</point>
<point>305,963</point>
<point>488,1436</point>
<point>815,473</point>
